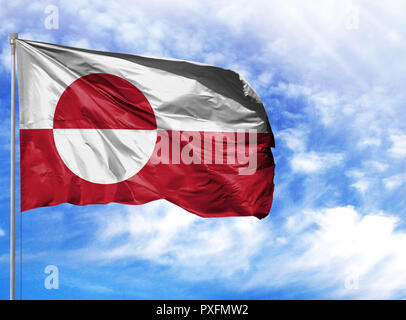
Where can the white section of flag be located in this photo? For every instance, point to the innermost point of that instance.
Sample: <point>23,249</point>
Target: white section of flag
<point>105,155</point>
<point>184,95</point>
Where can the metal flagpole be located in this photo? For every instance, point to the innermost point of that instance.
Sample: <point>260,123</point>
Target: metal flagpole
<point>13,37</point>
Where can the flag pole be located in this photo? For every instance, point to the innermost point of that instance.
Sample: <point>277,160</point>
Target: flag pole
<point>12,37</point>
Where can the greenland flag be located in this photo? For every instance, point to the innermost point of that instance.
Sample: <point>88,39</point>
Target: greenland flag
<point>99,127</point>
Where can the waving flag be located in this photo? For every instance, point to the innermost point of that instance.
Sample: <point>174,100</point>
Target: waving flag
<point>99,127</point>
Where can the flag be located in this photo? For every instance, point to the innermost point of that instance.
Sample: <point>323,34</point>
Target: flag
<point>99,127</point>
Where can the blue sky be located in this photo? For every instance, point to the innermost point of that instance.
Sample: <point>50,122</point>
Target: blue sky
<point>331,75</point>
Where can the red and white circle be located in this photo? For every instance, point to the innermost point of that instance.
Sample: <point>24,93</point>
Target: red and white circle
<point>104,128</point>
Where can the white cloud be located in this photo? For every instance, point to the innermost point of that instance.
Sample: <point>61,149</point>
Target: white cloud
<point>319,248</point>
<point>369,142</point>
<point>167,234</point>
<point>376,165</point>
<point>2,233</point>
<point>348,241</point>
<point>395,181</point>
<point>294,138</point>
<point>214,58</point>
<point>313,162</point>
<point>362,185</point>
<point>398,148</point>
<point>5,57</point>
<point>329,246</point>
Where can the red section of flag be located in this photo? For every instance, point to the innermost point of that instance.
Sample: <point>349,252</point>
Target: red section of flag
<point>103,101</point>
<point>208,190</point>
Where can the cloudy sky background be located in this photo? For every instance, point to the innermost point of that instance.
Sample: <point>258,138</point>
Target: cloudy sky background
<point>332,76</point>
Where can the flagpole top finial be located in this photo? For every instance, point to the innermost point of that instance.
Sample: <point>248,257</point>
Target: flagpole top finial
<point>13,37</point>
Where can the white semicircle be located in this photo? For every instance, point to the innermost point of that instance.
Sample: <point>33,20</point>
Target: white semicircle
<point>105,156</point>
